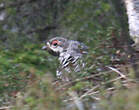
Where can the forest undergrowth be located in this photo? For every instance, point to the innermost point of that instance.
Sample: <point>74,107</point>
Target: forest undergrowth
<point>27,82</point>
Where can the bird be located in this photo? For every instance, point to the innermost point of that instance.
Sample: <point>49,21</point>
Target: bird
<point>69,53</point>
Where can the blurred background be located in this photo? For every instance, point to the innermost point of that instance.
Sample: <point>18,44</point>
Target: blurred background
<point>27,73</point>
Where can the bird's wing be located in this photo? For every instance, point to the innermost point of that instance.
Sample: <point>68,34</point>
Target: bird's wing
<point>83,48</point>
<point>77,48</point>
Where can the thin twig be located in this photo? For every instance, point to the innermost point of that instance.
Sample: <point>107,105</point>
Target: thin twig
<point>96,98</point>
<point>117,71</point>
<point>49,27</point>
<point>86,93</point>
<point>5,108</point>
<point>76,100</point>
<point>84,78</point>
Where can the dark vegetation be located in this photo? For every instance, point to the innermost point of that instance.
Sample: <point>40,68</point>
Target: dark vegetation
<point>27,73</point>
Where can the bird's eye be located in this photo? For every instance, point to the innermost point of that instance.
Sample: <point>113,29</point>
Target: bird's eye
<point>55,43</point>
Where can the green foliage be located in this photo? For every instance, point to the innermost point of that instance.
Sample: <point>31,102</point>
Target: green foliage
<point>122,100</point>
<point>39,95</point>
<point>79,86</point>
<point>17,66</point>
<point>25,68</point>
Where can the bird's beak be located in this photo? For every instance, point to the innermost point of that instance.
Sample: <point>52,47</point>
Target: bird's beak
<point>44,47</point>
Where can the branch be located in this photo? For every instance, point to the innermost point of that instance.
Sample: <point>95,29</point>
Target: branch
<point>6,108</point>
<point>41,29</point>
<point>117,71</point>
<point>84,78</point>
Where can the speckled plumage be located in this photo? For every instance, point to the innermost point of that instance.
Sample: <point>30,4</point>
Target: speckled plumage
<point>68,51</point>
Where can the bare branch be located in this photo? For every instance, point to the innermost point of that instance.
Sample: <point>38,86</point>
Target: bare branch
<point>76,100</point>
<point>84,78</point>
<point>41,29</point>
<point>117,71</point>
<point>6,108</point>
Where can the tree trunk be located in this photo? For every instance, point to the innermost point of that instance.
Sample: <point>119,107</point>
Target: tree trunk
<point>125,36</point>
<point>132,7</point>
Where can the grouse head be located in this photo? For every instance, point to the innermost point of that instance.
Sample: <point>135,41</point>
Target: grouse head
<point>56,45</point>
